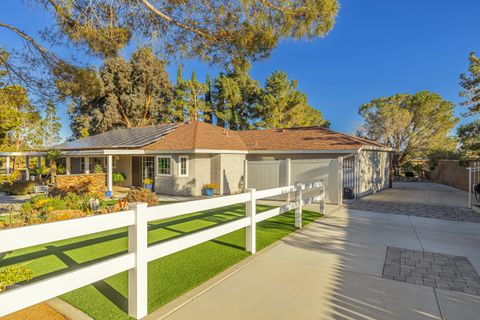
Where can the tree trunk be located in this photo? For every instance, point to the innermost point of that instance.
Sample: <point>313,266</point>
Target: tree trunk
<point>53,171</point>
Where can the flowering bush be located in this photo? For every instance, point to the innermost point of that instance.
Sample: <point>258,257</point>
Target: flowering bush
<point>210,186</point>
<point>43,208</point>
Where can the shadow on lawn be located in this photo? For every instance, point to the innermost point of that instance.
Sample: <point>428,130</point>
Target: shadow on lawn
<point>218,217</point>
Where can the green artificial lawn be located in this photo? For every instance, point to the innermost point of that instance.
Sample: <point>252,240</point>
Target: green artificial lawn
<point>168,277</point>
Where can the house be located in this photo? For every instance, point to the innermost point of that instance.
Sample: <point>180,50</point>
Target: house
<point>182,157</point>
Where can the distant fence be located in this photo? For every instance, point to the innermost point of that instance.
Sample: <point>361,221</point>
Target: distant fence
<point>139,253</point>
<point>276,173</point>
<point>451,173</point>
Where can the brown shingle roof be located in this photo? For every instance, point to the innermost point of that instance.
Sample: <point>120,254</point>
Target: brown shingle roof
<point>200,135</point>
<point>306,138</point>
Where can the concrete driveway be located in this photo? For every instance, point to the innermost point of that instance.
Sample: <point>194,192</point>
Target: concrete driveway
<point>422,199</point>
<point>337,268</point>
<point>426,193</point>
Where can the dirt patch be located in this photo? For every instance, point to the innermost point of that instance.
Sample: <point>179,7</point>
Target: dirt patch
<point>40,311</point>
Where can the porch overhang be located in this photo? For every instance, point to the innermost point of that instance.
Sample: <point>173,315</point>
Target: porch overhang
<point>102,152</point>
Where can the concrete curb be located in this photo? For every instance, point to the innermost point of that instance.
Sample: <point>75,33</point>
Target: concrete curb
<point>67,310</point>
<point>174,305</point>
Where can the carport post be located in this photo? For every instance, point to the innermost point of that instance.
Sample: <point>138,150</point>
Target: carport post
<point>68,165</point>
<point>27,167</point>
<point>86,161</point>
<point>7,165</point>
<point>109,173</point>
<point>298,202</point>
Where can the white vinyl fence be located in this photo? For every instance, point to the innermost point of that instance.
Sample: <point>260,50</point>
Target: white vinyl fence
<point>139,253</point>
<point>267,174</point>
<point>473,179</point>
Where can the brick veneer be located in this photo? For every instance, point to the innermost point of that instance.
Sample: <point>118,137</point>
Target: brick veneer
<point>88,183</point>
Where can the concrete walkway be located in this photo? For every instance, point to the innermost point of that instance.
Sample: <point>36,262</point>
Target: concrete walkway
<point>334,268</point>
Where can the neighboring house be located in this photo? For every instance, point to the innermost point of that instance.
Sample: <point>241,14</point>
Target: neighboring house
<point>181,158</point>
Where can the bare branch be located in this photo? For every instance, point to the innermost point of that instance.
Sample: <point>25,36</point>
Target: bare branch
<point>167,18</point>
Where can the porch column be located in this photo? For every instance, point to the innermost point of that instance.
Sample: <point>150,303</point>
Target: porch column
<point>68,165</point>
<point>86,161</point>
<point>27,168</point>
<point>7,164</point>
<point>109,172</point>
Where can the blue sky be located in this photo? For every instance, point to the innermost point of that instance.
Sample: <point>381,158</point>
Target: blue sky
<point>377,48</point>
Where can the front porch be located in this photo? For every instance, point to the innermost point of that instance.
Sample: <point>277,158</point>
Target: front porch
<point>133,167</point>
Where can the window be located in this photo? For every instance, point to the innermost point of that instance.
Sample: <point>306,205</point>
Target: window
<point>164,166</point>
<point>82,164</point>
<point>183,166</point>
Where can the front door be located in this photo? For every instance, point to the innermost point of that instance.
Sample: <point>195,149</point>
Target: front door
<point>137,172</point>
<point>142,168</point>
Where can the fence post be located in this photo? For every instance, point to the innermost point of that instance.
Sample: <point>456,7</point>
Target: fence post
<point>298,201</point>
<point>340,181</point>
<point>322,199</point>
<point>251,234</point>
<point>245,175</point>
<point>138,276</point>
<point>469,187</point>
<point>288,175</point>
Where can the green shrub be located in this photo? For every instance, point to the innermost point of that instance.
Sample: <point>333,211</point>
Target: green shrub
<point>13,275</point>
<point>19,187</point>
<point>118,177</point>
<point>61,169</point>
<point>97,169</point>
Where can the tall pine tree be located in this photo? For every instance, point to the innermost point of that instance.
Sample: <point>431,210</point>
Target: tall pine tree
<point>52,125</point>
<point>282,105</point>
<point>235,96</point>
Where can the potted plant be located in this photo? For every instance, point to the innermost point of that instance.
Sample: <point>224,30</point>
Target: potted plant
<point>118,177</point>
<point>209,188</point>
<point>148,183</point>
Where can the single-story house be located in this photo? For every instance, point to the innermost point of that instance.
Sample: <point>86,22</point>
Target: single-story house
<point>181,158</point>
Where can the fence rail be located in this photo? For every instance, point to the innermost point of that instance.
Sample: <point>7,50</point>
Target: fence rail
<point>139,253</point>
<point>473,179</point>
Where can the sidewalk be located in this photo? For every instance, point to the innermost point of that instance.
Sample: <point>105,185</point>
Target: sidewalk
<point>333,270</point>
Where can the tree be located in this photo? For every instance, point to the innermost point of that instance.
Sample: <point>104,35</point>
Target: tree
<point>52,157</point>
<point>282,105</point>
<point>20,120</point>
<point>52,125</point>
<point>128,94</point>
<point>235,95</point>
<point>469,138</point>
<point>471,86</point>
<point>414,125</point>
<point>209,112</point>
<point>214,31</point>
<point>194,99</point>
